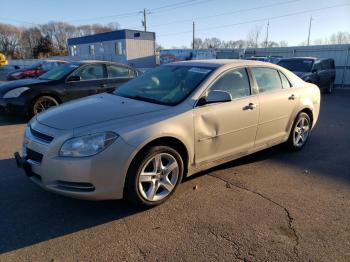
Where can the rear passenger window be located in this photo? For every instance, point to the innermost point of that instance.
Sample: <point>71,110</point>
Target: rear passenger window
<point>267,79</point>
<point>324,65</point>
<point>117,71</point>
<point>235,82</point>
<point>285,81</point>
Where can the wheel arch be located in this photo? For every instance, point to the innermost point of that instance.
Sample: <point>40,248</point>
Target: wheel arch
<point>170,141</point>
<point>55,96</point>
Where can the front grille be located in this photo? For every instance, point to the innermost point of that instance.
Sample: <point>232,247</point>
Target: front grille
<point>75,186</point>
<point>41,136</point>
<point>34,156</point>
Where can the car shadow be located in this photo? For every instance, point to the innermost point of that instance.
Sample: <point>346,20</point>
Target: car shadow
<point>8,119</point>
<point>30,215</point>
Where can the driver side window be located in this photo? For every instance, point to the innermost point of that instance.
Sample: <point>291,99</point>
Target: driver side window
<point>235,82</point>
<point>91,72</point>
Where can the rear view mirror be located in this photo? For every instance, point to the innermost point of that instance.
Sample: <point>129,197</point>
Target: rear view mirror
<point>74,78</point>
<point>215,96</point>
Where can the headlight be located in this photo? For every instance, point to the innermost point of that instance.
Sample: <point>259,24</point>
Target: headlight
<point>87,145</point>
<point>16,74</point>
<point>15,92</point>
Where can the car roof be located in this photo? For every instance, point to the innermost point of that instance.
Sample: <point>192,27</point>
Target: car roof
<point>214,63</point>
<point>300,58</point>
<point>83,62</point>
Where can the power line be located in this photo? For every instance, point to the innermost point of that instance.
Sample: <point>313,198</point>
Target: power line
<point>227,13</point>
<point>172,5</point>
<point>136,13</point>
<point>258,20</point>
<point>188,3</point>
<point>18,21</point>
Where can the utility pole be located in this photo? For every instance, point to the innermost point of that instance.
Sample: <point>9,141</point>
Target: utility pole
<point>193,34</point>
<point>145,19</point>
<point>267,33</point>
<point>308,37</point>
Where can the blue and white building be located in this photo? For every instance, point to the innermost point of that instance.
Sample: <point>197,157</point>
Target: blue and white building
<point>132,47</point>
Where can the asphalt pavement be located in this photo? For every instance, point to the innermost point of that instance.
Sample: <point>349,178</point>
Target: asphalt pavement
<point>271,206</point>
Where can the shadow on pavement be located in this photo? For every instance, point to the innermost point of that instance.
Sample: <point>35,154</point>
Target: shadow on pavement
<point>30,215</point>
<point>7,119</point>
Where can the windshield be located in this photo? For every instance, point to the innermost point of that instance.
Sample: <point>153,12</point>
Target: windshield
<point>297,65</point>
<point>167,85</point>
<point>58,72</point>
<point>34,66</point>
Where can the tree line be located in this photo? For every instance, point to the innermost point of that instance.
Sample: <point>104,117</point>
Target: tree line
<point>50,39</point>
<point>45,40</point>
<point>256,38</point>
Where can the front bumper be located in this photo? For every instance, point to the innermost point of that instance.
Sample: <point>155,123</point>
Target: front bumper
<point>97,177</point>
<point>16,105</point>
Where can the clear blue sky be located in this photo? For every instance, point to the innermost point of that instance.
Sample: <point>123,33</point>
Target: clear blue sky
<point>292,29</point>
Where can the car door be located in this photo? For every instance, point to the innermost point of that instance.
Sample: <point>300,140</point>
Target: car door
<point>323,74</point>
<point>86,80</point>
<point>118,75</point>
<point>277,102</point>
<point>227,128</point>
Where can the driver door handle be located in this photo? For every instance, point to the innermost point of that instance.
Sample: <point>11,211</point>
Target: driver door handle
<point>250,106</point>
<point>102,85</point>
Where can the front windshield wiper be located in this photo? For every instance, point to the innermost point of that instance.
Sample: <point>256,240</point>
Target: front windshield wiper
<point>142,98</point>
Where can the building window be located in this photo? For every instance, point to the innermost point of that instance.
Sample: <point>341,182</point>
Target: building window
<point>92,50</point>
<point>101,48</point>
<point>119,48</point>
<point>73,50</point>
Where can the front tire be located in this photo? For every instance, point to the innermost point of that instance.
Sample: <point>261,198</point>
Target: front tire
<point>300,132</point>
<point>41,104</point>
<point>153,176</point>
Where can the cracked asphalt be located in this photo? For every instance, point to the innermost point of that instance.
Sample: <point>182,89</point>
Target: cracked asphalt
<point>271,206</point>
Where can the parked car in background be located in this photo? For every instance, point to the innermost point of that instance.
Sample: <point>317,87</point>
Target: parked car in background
<point>61,84</point>
<point>319,71</point>
<point>175,120</point>
<point>34,70</point>
<point>270,59</point>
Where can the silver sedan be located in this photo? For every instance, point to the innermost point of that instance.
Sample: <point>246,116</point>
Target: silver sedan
<point>139,141</point>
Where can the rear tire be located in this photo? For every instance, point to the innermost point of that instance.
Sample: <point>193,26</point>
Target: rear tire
<point>153,176</point>
<point>300,132</point>
<point>330,88</point>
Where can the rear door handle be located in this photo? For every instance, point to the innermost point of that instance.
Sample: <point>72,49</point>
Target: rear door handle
<point>102,85</point>
<point>292,97</point>
<point>250,106</point>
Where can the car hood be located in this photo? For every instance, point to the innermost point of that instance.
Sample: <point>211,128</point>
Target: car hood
<point>95,109</point>
<point>5,87</point>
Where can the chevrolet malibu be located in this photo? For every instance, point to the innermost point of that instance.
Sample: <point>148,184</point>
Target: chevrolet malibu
<point>141,140</point>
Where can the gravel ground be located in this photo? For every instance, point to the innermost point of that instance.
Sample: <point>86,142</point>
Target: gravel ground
<point>271,206</point>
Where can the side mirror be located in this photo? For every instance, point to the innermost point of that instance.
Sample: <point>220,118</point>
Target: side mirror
<point>314,70</point>
<point>17,67</point>
<point>73,79</point>
<point>215,96</point>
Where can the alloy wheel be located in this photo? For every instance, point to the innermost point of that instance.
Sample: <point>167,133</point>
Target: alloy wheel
<point>44,103</point>
<point>301,131</point>
<point>158,177</point>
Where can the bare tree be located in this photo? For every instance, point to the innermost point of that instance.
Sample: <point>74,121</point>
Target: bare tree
<point>283,43</point>
<point>30,39</point>
<point>10,37</point>
<point>340,38</point>
<point>253,37</point>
